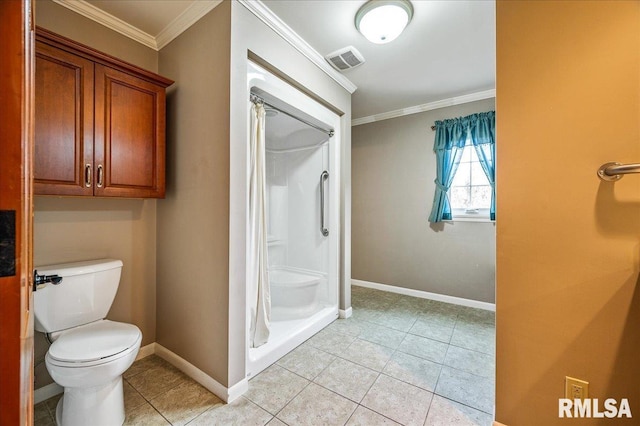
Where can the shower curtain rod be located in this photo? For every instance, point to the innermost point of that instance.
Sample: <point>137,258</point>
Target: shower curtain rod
<point>258,100</point>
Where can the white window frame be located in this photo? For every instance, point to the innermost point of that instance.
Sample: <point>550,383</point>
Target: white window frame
<point>469,215</point>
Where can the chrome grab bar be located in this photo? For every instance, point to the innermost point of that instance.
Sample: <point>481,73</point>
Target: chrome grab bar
<point>323,176</point>
<point>614,171</point>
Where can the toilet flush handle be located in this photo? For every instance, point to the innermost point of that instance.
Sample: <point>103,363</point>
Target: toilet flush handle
<point>40,281</point>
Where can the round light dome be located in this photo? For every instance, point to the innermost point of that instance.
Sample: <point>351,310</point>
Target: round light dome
<point>382,21</point>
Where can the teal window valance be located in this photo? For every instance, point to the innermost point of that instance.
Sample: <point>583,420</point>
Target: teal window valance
<point>450,139</point>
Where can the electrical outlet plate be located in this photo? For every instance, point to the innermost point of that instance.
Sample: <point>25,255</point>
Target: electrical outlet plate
<point>575,388</point>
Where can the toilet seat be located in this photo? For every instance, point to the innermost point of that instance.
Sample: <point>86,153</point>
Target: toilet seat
<point>92,344</point>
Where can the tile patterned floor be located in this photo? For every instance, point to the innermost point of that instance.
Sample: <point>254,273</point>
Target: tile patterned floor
<point>398,360</point>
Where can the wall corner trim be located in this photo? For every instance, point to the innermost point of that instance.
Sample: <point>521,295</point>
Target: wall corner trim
<point>426,295</point>
<point>182,22</point>
<point>262,12</point>
<point>345,313</point>
<point>443,103</point>
<point>146,350</point>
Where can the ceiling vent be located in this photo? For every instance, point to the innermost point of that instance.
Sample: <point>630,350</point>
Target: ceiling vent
<point>345,59</point>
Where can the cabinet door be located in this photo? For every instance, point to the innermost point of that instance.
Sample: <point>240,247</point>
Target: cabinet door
<point>129,135</point>
<point>63,147</point>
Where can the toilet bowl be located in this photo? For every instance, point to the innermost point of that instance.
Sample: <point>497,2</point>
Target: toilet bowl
<point>88,362</point>
<point>88,354</point>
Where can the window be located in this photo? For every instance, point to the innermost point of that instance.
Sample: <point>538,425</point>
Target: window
<point>470,191</point>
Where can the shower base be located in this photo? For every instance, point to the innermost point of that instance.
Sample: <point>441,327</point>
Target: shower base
<point>286,335</point>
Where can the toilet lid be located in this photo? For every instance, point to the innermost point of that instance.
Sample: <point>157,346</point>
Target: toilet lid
<point>91,342</point>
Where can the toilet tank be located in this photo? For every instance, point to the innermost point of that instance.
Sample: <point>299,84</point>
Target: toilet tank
<point>85,294</point>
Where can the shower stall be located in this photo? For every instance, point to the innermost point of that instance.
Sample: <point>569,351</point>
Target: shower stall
<point>299,162</point>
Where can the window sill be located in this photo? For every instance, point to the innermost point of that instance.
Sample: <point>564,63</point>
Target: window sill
<point>471,219</point>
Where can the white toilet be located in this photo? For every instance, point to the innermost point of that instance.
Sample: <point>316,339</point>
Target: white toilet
<point>89,353</point>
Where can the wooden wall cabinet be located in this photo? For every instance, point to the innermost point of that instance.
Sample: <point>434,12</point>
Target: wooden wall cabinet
<point>99,123</point>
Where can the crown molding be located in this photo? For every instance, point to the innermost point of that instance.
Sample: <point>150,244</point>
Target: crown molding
<point>265,14</point>
<point>182,22</point>
<point>101,17</point>
<point>457,100</point>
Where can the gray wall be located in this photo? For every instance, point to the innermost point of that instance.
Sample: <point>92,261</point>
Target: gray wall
<point>69,229</point>
<point>393,168</point>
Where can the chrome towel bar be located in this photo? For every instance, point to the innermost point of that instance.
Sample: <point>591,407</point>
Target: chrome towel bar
<point>615,171</point>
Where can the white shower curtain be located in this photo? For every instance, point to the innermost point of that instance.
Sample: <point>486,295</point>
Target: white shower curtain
<point>258,281</point>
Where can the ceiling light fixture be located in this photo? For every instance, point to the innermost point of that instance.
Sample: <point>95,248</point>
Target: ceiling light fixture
<point>381,21</point>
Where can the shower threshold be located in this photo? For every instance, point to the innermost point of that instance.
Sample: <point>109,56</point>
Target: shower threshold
<point>285,336</point>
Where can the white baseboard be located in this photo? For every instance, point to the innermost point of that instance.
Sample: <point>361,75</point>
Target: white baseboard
<point>46,392</point>
<point>345,313</point>
<point>226,394</point>
<point>426,295</point>
<point>146,350</point>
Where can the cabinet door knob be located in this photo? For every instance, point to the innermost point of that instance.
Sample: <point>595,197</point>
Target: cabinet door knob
<point>100,176</point>
<point>87,175</point>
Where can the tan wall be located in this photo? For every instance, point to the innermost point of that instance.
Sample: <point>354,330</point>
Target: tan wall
<point>76,27</point>
<point>568,256</point>
<point>394,166</point>
<point>70,229</point>
<point>193,220</point>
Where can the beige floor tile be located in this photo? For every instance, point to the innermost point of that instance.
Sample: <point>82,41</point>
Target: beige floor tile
<point>40,411</point>
<point>156,380</point>
<point>424,348</point>
<point>274,388</point>
<point>408,304</point>
<point>331,341</point>
<point>399,401</point>
<point>367,354</point>
<point>144,364</point>
<point>470,361</point>
<point>347,379</point>
<point>132,399</point>
<point>52,404</point>
<point>144,415</point>
<point>382,335</point>
<point>475,336</point>
<point>185,402</point>
<point>239,412</point>
<point>444,412</point>
<point>397,320</point>
<point>477,316</point>
<point>435,330</point>
<point>352,326</point>
<point>413,370</point>
<point>365,417</point>
<point>365,314</point>
<point>316,405</point>
<point>41,415</point>
<point>45,421</point>
<point>380,320</point>
<point>306,361</point>
<point>276,422</point>
<point>466,388</point>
